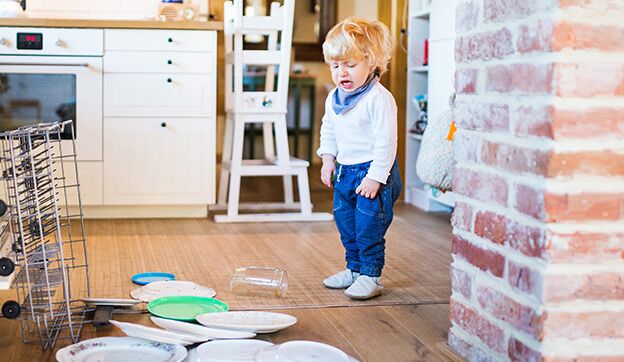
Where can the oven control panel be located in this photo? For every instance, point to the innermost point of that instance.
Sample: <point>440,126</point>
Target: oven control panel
<point>51,41</point>
<point>32,41</point>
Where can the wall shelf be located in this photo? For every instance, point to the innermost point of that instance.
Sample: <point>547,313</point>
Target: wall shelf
<point>421,69</point>
<point>436,24</point>
<point>421,14</point>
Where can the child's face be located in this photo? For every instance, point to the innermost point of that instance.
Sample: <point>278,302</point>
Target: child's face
<point>349,75</point>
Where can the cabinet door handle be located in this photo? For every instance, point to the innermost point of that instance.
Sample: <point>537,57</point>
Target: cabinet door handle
<point>169,80</point>
<point>169,61</point>
<point>170,40</point>
<point>163,125</point>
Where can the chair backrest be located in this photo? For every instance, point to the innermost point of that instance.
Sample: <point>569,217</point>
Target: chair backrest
<point>277,28</point>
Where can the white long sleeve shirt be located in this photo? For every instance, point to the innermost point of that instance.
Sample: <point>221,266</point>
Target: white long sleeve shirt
<point>368,132</point>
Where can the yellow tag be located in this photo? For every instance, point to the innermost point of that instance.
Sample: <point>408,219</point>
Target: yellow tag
<point>451,132</point>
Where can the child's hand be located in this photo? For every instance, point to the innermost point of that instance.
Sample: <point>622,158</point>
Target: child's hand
<point>368,188</point>
<point>328,170</point>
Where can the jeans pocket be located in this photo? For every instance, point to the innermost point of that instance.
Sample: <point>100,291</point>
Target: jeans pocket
<point>338,202</point>
<point>372,207</point>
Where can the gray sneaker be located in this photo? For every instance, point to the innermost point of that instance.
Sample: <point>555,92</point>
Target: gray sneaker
<point>365,287</point>
<point>341,279</point>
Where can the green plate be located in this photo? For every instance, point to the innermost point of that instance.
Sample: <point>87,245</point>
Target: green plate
<point>185,308</point>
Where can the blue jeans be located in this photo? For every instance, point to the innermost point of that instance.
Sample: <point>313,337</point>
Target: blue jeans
<point>361,222</point>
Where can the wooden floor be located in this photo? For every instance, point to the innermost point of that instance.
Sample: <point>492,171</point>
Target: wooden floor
<point>410,324</point>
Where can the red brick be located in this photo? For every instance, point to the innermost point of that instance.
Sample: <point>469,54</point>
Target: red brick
<point>587,122</point>
<point>595,286</point>
<point>466,16</point>
<point>575,325</point>
<point>518,351</point>
<point>460,346</point>
<point>502,307</point>
<point>462,216</point>
<point>486,260</point>
<point>581,207</point>
<point>530,201</point>
<point>485,117</point>
<point>513,158</point>
<point>525,279</point>
<point>466,81</point>
<point>491,226</point>
<point>592,4</point>
<point>480,185</point>
<point>596,163</point>
<point>465,147</point>
<point>536,36</point>
<point>475,324</point>
<point>526,239</point>
<point>479,355</point>
<point>588,36</point>
<point>502,10</point>
<point>533,121</point>
<point>589,79</point>
<point>585,358</point>
<point>520,78</point>
<point>461,282</point>
<point>588,247</point>
<point>484,46</point>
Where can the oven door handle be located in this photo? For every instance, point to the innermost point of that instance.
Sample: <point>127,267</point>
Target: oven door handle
<point>49,64</point>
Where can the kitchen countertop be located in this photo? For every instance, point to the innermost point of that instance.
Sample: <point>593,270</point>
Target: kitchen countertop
<point>110,24</point>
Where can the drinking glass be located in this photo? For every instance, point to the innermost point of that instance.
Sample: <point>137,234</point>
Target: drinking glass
<point>259,280</point>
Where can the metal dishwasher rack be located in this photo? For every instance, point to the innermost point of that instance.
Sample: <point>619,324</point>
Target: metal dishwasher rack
<point>48,247</point>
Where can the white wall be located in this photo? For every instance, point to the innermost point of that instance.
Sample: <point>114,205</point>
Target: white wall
<point>98,9</point>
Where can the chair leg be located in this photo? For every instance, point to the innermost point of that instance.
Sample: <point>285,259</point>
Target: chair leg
<point>235,176</point>
<point>225,157</point>
<point>304,191</point>
<point>267,133</point>
<point>283,155</point>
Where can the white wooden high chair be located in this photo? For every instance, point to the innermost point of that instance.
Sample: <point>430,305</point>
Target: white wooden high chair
<point>267,107</point>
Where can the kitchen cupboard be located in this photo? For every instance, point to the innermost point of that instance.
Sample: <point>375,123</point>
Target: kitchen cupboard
<point>159,117</point>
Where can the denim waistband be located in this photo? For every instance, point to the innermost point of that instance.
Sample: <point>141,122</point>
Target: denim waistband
<point>355,167</point>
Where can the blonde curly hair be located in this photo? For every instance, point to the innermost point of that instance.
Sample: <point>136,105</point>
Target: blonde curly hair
<point>360,39</point>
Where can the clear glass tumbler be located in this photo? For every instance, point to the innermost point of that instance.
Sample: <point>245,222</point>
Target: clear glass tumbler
<point>259,280</point>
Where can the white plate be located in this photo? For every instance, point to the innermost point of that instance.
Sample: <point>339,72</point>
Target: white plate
<point>191,356</point>
<point>115,349</point>
<point>239,350</point>
<point>157,335</point>
<point>257,322</point>
<point>111,302</point>
<point>168,288</point>
<point>195,329</point>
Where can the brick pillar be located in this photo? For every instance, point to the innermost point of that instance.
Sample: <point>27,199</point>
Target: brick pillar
<point>538,269</point>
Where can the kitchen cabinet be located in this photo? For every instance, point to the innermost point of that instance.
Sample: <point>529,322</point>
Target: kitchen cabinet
<point>159,117</point>
<point>158,161</point>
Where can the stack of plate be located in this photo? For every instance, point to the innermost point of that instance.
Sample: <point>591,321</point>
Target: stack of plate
<point>233,350</point>
<point>251,321</point>
<point>156,290</point>
<point>158,335</point>
<point>195,329</point>
<point>114,349</point>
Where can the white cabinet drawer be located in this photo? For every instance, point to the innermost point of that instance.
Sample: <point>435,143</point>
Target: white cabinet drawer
<point>90,179</point>
<point>55,41</point>
<point>158,62</point>
<point>159,161</point>
<point>147,95</point>
<point>161,40</point>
